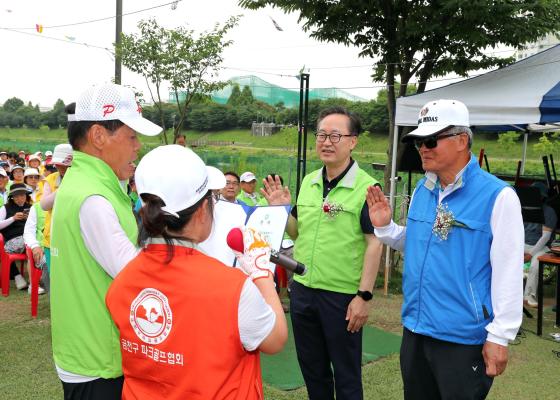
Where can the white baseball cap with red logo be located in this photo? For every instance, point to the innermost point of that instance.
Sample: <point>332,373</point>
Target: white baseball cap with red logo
<point>113,102</point>
<point>437,116</point>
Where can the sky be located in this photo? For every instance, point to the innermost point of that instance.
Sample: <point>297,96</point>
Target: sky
<point>42,67</point>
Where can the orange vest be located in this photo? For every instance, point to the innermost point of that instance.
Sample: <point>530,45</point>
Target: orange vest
<point>178,328</point>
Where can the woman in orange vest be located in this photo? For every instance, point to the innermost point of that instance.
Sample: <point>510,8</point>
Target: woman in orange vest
<point>191,327</point>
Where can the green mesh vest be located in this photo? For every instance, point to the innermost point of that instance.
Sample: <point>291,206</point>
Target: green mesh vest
<point>84,339</point>
<point>332,247</point>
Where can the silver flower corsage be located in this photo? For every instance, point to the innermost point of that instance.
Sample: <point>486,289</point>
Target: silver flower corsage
<point>445,220</point>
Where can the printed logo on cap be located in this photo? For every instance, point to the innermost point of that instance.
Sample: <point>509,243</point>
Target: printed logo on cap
<point>108,109</point>
<point>150,316</point>
<point>424,111</point>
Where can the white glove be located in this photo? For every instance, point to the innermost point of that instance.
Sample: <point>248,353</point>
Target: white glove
<point>256,255</point>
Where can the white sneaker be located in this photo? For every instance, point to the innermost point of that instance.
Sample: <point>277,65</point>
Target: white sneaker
<point>531,301</point>
<point>41,290</point>
<point>20,282</point>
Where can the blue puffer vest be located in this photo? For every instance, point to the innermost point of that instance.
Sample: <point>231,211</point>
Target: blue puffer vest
<point>446,283</point>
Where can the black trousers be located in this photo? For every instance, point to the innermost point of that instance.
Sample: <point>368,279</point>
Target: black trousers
<point>99,389</point>
<point>434,369</point>
<point>318,319</point>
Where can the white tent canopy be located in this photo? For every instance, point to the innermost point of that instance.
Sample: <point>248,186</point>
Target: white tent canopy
<point>521,96</point>
<point>522,93</point>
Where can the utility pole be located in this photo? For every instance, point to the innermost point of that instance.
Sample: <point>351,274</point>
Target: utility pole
<point>118,42</point>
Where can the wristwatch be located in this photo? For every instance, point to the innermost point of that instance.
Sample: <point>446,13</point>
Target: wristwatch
<point>364,294</point>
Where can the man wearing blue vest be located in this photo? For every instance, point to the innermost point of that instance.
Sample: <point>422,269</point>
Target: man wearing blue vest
<point>463,282</point>
<point>334,238</point>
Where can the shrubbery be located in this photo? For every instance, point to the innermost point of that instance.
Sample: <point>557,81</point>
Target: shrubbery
<point>203,114</point>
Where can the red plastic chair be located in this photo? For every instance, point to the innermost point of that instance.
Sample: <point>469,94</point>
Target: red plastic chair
<point>6,260</point>
<point>36,274</point>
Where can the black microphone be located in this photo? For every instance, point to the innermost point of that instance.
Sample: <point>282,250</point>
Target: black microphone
<point>289,263</point>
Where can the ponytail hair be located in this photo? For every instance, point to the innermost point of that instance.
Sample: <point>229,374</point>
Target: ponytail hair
<point>158,223</point>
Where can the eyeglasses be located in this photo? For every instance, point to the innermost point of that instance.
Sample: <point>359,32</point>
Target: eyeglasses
<point>432,141</point>
<point>333,137</point>
<point>232,183</point>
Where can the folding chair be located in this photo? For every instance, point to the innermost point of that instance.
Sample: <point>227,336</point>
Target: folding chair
<point>6,259</point>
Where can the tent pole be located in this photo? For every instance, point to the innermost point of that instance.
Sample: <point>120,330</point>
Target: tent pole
<point>525,138</point>
<point>392,204</point>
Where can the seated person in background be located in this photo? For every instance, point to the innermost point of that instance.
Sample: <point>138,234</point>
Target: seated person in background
<point>537,239</point>
<point>31,179</point>
<point>12,159</point>
<point>17,173</point>
<point>34,161</point>
<point>231,190</point>
<point>12,222</point>
<point>248,194</point>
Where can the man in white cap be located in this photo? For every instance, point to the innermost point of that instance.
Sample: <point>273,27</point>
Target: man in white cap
<point>463,254</point>
<point>248,194</point>
<point>93,238</point>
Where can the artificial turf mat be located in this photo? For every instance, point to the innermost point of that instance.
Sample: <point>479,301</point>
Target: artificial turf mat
<point>282,370</point>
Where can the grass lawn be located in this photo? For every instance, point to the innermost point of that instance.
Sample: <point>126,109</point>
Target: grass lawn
<point>27,371</point>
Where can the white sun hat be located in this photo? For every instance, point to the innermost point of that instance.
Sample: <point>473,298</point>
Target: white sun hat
<point>113,102</point>
<point>438,116</point>
<point>63,154</point>
<point>31,172</point>
<point>181,186</point>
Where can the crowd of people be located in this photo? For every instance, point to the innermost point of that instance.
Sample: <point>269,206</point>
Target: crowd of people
<point>150,315</point>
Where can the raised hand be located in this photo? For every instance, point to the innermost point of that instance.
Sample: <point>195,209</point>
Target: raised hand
<point>274,193</point>
<point>379,208</point>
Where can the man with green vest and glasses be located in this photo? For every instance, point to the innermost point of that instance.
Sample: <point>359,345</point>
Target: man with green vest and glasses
<point>93,237</point>
<point>334,239</point>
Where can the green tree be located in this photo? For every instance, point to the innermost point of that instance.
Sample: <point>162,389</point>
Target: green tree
<point>423,39</point>
<point>56,117</point>
<point>12,105</point>
<point>246,97</point>
<point>507,140</point>
<point>234,97</point>
<point>31,117</point>
<point>189,64</point>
